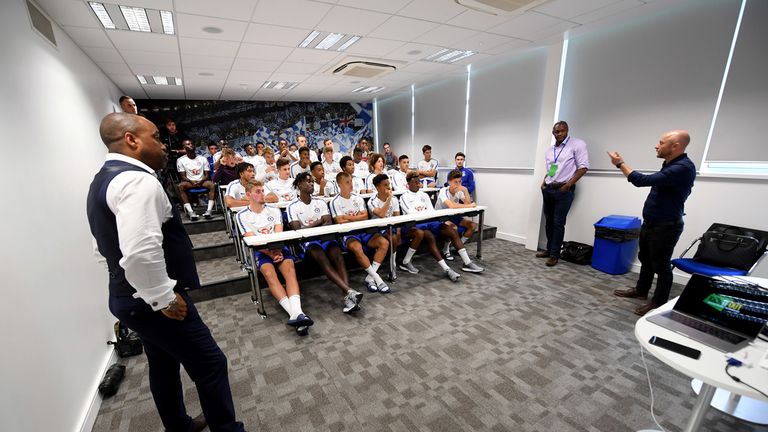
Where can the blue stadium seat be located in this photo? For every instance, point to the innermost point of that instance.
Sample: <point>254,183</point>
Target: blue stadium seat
<point>719,265</point>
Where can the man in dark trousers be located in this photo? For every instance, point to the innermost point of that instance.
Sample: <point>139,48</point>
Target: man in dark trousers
<point>662,216</point>
<point>566,162</point>
<point>150,263</point>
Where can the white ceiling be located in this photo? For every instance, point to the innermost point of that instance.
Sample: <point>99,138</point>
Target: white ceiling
<point>259,40</point>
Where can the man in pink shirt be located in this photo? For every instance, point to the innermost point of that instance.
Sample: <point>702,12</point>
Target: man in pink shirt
<point>566,161</point>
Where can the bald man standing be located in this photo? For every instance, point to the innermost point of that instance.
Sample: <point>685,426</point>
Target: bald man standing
<point>149,258</point>
<point>662,216</point>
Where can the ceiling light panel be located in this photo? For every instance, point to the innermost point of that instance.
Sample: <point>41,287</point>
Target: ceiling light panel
<point>122,17</point>
<point>279,85</point>
<point>367,89</point>
<point>448,55</point>
<point>328,41</point>
<point>158,80</point>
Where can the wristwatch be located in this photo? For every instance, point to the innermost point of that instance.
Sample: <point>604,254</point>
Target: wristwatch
<point>618,165</point>
<point>171,306</point>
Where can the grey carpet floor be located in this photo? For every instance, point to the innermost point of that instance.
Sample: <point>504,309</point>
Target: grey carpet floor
<point>521,347</point>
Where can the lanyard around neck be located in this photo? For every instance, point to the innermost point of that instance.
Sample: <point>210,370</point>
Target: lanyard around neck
<point>557,154</point>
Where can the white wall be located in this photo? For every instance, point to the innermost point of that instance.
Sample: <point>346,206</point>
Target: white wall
<point>55,320</point>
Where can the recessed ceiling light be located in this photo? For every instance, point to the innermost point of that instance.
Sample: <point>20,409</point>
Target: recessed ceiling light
<point>141,79</point>
<point>367,89</point>
<point>447,55</point>
<point>213,30</point>
<point>279,85</point>
<point>102,15</point>
<point>136,18</point>
<point>308,40</point>
<point>160,80</point>
<point>167,18</point>
<point>329,41</point>
<point>349,42</point>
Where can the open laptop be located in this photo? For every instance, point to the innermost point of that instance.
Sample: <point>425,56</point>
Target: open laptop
<point>723,315</point>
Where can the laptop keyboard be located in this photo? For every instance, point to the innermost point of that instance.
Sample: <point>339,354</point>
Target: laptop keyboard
<point>706,328</point>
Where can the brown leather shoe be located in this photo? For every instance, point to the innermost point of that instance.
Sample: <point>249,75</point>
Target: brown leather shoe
<point>552,261</point>
<point>198,424</point>
<point>542,254</point>
<point>644,309</point>
<point>630,293</point>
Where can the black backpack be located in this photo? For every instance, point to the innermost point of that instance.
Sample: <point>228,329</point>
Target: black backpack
<point>577,253</point>
<point>127,342</point>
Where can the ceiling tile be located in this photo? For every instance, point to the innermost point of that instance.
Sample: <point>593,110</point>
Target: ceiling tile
<point>512,45</point>
<point>208,47</point>
<point>157,42</point>
<point>263,52</point>
<point>555,30</point>
<point>607,11</point>
<point>482,42</point>
<point>402,29</point>
<point>299,68</point>
<point>204,75</point>
<point>568,8</point>
<point>70,13</point>
<point>114,68</point>
<point>413,52</point>
<point>310,55</point>
<point>427,10</point>
<point>150,57</point>
<point>423,67</point>
<point>296,13</point>
<point>232,9</point>
<point>389,6</point>
<point>209,62</point>
<point>525,24</point>
<point>193,25</point>
<point>374,47</point>
<point>142,69</point>
<point>253,79</point>
<point>477,20</point>
<point>289,77</point>
<point>255,65</point>
<point>274,35</point>
<point>88,37</point>
<point>445,35</point>
<point>351,21</point>
<point>231,93</point>
<point>149,4</point>
<point>103,54</point>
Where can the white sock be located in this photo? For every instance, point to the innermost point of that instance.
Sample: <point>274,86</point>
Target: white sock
<point>295,306</point>
<point>464,240</point>
<point>464,256</point>
<point>286,304</point>
<point>446,248</point>
<point>210,205</point>
<point>372,275</point>
<point>375,266</point>
<point>443,265</point>
<point>188,207</point>
<point>409,255</point>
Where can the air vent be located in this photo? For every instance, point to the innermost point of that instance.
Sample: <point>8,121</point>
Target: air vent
<point>41,23</point>
<point>358,67</point>
<point>500,7</point>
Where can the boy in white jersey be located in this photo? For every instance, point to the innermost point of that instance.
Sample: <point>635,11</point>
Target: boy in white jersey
<point>336,156</point>
<point>322,186</point>
<point>331,164</point>
<point>258,219</point>
<point>267,171</point>
<point>251,156</point>
<point>384,205</point>
<point>376,165</point>
<point>456,196</point>
<point>194,173</point>
<point>302,165</point>
<point>281,188</point>
<point>361,166</point>
<point>302,142</point>
<point>235,194</point>
<point>397,177</point>
<point>308,212</point>
<point>427,168</point>
<point>415,200</point>
<point>348,166</point>
<point>348,207</point>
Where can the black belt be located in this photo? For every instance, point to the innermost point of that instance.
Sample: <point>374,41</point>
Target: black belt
<point>554,185</point>
<point>677,222</point>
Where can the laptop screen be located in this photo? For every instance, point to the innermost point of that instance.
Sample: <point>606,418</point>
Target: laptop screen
<point>734,307</point>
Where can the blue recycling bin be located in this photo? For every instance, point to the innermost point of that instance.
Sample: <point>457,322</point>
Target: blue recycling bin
<point>615,243</point>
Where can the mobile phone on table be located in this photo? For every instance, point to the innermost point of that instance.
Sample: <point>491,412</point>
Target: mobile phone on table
<point>675,347</point>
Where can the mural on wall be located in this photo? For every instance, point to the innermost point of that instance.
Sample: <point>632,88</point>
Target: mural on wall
<point>242,122</point>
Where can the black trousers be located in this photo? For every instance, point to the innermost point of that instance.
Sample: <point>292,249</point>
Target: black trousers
<point>168,344</point>
<point>657,243</point>
<point>556,207</point>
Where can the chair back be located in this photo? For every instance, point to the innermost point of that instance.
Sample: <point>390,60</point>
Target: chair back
<point>731,246</point>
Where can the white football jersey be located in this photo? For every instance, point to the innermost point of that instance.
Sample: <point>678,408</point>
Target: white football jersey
<point>330,188</point>
<point>369,181</point>
<point>254,160</point>
<point>259,223</point>
<point>236,190</point>
<point>296,169</point>
<point>306,214</point>
<point>397,180</point>
<point>194,168</point>
<point>374,202</point>
<point>282,188</point>
<point>412,202</point>
<point>445,195</point>
<point>263,176</point>
<point>347,206</point>
<point>331,169</point>
<point>361,170</point>
<point>428,166</point>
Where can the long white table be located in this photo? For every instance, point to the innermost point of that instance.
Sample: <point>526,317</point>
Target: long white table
<point>289,237</point>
